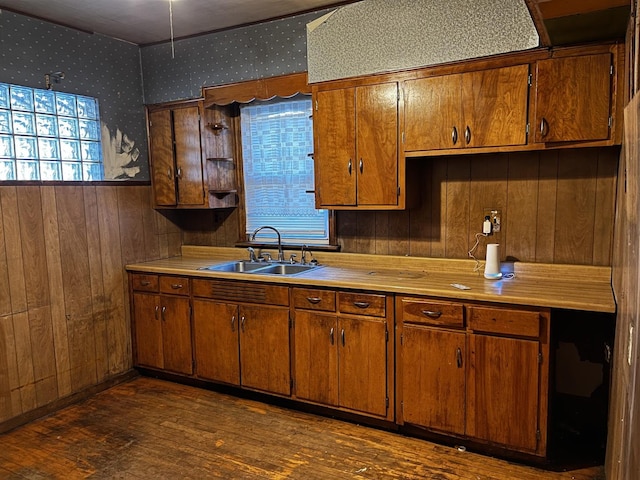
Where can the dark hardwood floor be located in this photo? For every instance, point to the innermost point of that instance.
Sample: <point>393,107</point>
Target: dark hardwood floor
<point>150,428</point>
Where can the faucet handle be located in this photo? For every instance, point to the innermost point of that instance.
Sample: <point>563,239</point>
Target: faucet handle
<point>266,256</point>
<point>292,258</point>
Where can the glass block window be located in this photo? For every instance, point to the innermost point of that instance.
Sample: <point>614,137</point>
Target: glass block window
<point>47,135</point>
<point>277,139</point>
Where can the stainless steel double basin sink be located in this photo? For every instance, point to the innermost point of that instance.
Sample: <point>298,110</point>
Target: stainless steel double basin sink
<point>261,268</point>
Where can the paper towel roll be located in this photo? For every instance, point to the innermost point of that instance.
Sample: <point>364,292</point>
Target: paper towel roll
<point>492,264</point>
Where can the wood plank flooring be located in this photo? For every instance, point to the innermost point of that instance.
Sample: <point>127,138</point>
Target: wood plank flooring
<point>150,428</point>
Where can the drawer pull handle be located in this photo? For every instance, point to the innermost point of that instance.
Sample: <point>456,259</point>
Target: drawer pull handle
<point>314,300</point>
<point>432,314</point>
<point>342,335</point>
<point>454,135</point>
<point>459,357</point>
<point>361,305</point>
<point>145,283</point>
<point>233,323</point>
<point>156,314</point>
<point>331,332</point>
<point>467,135</point>
<point>544,127</point>
<point>176,286</point>
<point>242,320</point>
<point>162,312</point>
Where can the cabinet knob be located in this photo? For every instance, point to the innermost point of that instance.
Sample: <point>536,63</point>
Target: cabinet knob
<point>454,135</point>
<point>361,165</point>
<point>349,166</point>
<point>179,173</point>
<point>169,173</point>
<point>467,135</point>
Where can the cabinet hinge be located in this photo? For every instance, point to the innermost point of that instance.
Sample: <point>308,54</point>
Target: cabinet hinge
<point>538,435</point>
<point>403,138</point>
<point>290,322</point>
<point>530,80</point>
<point>387,402</point>
<point>611,70</point>
<point>610,122</point>
<point>540,358</point>
<point>316,104</point>
<point>527,128</point>
<point>402,406</point>
<point>401,339</point>
<point>291,384</point>
<point>398,190</point>
<point>386,335</point>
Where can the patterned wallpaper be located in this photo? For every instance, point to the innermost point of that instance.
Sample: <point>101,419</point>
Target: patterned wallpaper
<point>378,35</point>
<point>268,49</point>
<point>94,65</point>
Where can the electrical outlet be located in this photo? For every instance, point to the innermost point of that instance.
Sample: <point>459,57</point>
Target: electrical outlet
<point>495,216</point>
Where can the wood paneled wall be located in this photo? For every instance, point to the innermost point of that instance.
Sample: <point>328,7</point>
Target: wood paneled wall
<point>64,308</point>
<point>557,207</point>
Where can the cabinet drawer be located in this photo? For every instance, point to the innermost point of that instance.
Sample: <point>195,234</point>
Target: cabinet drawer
<point>432,313</point>
<point>174,285</point>
<point>362,304</point>
<point>312,299</point>
<point>144,283</point>
<point>521,323</point>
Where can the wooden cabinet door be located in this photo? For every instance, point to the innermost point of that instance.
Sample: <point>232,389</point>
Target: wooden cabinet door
<point>433,113</point>
<point>362,364</point>
<point>264,348</point>
<point>186,127</point>
<point>433,378</point>
<point>217,351</point>
<point>377,144</point>
<point>316,357</point>
<point>334,149</point>
<point>573,98</point>
<point>161,154</point>
<point>148,330</point>
<point>503,391</point>
<point>495,106</point>
<point>176,334</point>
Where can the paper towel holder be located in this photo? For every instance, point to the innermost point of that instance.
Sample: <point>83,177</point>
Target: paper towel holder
<point>492,264</point>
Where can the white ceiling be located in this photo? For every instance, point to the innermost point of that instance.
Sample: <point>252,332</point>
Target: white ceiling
<point>148,21</point>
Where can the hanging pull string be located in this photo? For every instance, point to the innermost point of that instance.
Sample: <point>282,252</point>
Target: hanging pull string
<point>173,52</point>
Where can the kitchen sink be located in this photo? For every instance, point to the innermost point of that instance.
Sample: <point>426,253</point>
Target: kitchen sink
<point>260,268</point>
<point>239,266</point>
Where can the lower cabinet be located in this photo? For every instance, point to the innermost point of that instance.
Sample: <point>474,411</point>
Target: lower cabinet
<point>342,354</point>
<point>242,343</point>
<point>474,371</point>
<point>162,327</point>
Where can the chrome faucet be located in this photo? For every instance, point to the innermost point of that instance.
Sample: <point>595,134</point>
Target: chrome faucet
<point>280,252</point>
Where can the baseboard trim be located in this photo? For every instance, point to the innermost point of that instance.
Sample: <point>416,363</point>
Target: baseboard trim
<point>61,403</point>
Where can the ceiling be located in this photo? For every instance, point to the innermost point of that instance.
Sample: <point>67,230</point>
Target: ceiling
<point>559,22</point>
<point>149,21</point>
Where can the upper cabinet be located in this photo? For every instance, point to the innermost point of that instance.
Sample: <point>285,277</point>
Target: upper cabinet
<point>356,146</point>
<point>573,98</point>
<point>177,147</point>
<point>175,154</point>
<point>484,108</point>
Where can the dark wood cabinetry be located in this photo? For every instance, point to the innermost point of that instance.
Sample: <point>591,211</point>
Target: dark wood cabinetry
<point>162,324</point>
<point>573,98</point>
<point>356,146</point>
<point>175,156</point>
<point>342,355</point>
<point>486,108</point>
<point>242,334</point>
<point>474,371</point>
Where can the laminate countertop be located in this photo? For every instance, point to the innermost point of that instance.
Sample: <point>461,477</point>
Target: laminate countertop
<point>573,287</point>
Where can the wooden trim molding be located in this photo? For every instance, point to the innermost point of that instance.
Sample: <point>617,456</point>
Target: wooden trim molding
<point>262,89</point>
